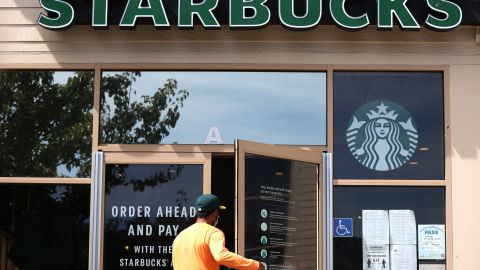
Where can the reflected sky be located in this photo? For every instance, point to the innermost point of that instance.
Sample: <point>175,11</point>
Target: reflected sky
<point>270,107</point>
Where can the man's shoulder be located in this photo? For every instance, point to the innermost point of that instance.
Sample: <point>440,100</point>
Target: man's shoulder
<point>198,231</point>
<point>197,228</point>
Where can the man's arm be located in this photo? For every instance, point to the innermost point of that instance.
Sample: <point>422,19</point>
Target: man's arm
<point>224,257</point>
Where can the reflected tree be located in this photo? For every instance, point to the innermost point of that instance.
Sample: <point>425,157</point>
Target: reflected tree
<point>117,176</point>
<point>46,125</point>
<point>147,120</point>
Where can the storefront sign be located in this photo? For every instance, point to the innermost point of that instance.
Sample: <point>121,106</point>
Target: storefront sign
<point>388,125</point>
<point>431,242</point>
<point>382,135</point>
<point>437,14</point>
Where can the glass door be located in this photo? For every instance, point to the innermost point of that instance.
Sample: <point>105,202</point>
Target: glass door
<point>148,199</point>
<point>278,204</point>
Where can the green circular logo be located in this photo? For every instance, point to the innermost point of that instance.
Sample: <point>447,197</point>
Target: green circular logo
<point>263,240</point>
<point>263,253</point>
<point>382,135</point>
<point>264,213</point>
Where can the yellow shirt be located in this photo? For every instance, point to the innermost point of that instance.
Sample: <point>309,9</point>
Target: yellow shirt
<point>202,247</point>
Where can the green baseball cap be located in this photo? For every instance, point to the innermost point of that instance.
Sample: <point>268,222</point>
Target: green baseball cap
<point>208,203</point>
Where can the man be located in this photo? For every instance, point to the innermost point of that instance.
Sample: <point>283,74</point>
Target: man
<point>202,246</point>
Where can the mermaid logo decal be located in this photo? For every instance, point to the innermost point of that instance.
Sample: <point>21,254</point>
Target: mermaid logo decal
<point>382,135</point>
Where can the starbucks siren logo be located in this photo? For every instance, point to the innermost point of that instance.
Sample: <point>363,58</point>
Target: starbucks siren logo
<point>382,135</point>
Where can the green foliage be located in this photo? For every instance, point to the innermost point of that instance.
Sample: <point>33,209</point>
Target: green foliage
<point>116,175</point>
<point>45,125</point>
<point>147,121</point>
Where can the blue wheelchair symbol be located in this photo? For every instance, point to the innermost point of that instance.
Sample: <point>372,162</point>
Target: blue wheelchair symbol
<point>343,227</point>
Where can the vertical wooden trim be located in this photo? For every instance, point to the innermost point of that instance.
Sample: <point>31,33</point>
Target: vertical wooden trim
<point>330,109</point>
<point>207,174</point>
<point>96,108</point>
<point>240,188</point>
<point>448,170</point>
<point>320,220</point>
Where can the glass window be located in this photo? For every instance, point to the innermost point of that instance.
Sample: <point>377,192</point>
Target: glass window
<point>146,206</point>
<point>45,123</point>
<point>44,226</point>
<point>385,218</point>
<point>281,208</point>
<point>388,125</point>
<point>213,107</point>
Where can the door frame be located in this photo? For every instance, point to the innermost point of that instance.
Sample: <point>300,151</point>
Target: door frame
<point>298,153</point>
<point>152,158</point>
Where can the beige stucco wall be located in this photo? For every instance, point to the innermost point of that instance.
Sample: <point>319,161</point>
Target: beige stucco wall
<point>23,43</point>
<point>465,132</point>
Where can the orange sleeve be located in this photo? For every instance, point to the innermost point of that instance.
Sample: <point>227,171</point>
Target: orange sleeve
<point>224,257</point>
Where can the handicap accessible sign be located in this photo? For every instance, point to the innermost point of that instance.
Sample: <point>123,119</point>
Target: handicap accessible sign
<point>342,227</point>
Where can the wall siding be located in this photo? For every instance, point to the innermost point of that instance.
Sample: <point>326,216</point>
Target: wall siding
<point>24,43</point>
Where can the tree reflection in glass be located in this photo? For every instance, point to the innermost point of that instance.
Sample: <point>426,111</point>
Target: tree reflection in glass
<point>128,119</point>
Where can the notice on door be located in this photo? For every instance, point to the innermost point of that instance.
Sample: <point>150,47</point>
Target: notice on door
<point>375,227</point>
<point>281,213</point>
<point>376,257</point>
<point>403,257</point>
<point>431,242</point>
<point>402,227</point>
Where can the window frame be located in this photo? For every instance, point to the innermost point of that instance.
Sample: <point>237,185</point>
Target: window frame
<point>329,69</point>
<point>445,183</point>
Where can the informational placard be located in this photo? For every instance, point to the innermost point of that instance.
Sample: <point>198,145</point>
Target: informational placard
<point>403,257</point>
<point>146,207</point>
<point>375,227</point>
<point>428,266</point>
<point>431,242</point>
<point>403,227</point>
<point>376,257</point>
<point>281,213</point>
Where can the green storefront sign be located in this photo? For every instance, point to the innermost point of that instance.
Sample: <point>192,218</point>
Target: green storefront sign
<point>441,14</point>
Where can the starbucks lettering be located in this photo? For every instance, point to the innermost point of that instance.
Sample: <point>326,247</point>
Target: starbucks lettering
<point>442,14</point>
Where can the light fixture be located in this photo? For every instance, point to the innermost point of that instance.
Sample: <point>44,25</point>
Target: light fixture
<point>279,173</point>
<point>413,162</point>
<point>423,148</point>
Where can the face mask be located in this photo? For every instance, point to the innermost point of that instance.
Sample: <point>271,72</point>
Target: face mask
<point>216,221</point>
